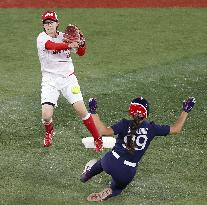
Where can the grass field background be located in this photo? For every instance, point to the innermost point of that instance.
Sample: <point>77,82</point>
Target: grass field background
<point>158,53</point>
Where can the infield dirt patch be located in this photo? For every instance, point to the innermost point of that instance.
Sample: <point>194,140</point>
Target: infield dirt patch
<point>102,3</point>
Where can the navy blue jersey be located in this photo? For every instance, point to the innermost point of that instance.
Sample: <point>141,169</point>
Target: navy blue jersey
<point>145,133</point>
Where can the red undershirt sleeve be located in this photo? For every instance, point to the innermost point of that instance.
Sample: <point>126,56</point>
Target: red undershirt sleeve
<point>49,45</point>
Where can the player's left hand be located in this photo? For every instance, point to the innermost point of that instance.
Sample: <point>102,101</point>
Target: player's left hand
<point>189,104</point>
<point>92,104</point>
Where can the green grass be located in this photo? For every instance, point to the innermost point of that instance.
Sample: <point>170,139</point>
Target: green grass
<point>158,53</point>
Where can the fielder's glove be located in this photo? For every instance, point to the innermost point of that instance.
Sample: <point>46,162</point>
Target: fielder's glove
<point>73,34</point>
<point>189,104</point>
<point>92,104</point>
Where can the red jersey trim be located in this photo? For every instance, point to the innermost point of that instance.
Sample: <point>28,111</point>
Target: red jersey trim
<point>49,45</point>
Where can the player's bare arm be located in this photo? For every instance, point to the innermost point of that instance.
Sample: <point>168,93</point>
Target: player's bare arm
<point>187,107</point>
<point>176,128</point>
<point>102,128</point>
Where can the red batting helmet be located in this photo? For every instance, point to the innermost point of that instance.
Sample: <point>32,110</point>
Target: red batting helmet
<point>49,15</point>
<point>139,106</point>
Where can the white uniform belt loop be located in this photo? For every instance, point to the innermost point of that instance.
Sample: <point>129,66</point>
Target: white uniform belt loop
<point>131,164</point>
<point>117,156</point>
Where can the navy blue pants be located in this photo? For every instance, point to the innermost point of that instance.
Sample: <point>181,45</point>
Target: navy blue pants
<point>121,174</point>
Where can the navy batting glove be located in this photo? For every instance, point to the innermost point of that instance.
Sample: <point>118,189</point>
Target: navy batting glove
<point>92,104</point>
<point>189,104</point>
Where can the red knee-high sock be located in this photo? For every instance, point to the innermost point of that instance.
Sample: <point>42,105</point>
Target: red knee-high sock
<point>49,127</point>
<point>89,123</point>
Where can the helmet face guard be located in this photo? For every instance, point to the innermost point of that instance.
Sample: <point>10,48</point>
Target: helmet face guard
<point>139,107</point>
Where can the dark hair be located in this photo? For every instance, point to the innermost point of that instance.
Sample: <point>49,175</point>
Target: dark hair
<point>133,127</point>
<point>50,20</point>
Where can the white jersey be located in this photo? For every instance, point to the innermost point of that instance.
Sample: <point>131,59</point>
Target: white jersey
<point>54,62</point>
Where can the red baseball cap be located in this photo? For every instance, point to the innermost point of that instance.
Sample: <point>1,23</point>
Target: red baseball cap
<point>49,15</point>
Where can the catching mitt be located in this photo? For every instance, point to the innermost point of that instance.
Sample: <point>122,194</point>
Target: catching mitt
<point>73,34</point>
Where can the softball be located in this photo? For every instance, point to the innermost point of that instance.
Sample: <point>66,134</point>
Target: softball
<point>75,89</point>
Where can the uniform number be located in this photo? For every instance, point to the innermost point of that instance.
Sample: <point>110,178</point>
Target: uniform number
<point>139,140</point>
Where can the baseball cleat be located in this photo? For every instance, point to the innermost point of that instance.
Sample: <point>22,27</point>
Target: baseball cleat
<point>100,196</point>
<point>84,176</point>
<point>99,144</point>
<point>48,139</point>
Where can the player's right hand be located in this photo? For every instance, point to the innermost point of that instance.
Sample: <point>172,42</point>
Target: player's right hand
<point>188,104</point>
<point>73,44</point>
<point>92,104</point>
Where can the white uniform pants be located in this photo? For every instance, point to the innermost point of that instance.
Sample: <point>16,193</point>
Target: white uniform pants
<point>53,86</point>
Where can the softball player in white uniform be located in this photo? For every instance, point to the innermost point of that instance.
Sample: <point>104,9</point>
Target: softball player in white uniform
<point>58,77</point>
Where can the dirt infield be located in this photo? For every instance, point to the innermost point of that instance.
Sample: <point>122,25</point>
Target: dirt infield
<point>101,3</point>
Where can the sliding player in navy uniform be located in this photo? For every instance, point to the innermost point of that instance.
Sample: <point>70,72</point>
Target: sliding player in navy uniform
<point>133,139</point>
